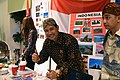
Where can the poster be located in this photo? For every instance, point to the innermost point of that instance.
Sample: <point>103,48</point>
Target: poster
<point>40,11</point>
<point>89,30</point>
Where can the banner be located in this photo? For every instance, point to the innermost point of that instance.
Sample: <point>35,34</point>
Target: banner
<point>77,6</point>
<point>60,10</point>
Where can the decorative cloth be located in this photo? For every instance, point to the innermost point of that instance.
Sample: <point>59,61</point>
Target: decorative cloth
<point>49,22</point>
<point>112,8</point>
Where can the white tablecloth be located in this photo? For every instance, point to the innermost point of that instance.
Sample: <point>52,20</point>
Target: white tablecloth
<point>21,75</point>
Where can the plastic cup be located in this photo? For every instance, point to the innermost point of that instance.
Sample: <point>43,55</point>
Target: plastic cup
<point>39,73</point>
<point>14,69</point>
<point>22,65</point>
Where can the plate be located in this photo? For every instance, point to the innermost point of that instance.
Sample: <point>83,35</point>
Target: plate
<point>3,71</point>
<point>16,76</point>
<point>25,72</point>
<point>42,78</point>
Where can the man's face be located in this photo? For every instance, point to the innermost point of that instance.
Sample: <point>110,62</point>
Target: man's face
<point>51,32</point>
<point>110,21</point>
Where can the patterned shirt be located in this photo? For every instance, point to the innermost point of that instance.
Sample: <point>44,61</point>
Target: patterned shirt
<point>65,53</point>
<point>30,43</point>
<point>30,47</point>
<point>111,60</point>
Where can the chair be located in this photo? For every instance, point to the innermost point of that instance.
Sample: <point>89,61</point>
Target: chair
<point>4,52</point>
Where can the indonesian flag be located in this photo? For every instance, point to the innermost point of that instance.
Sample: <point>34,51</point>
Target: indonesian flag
<point>60,9</point>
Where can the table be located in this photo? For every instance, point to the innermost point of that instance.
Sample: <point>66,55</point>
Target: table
<point>22,75</point>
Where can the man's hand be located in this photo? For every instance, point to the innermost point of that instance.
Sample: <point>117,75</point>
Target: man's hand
<point>35,57</point>
<point>51,74</point>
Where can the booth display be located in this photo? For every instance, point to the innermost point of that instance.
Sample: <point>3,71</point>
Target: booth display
<point>89,30</point>
<point>83,22</point>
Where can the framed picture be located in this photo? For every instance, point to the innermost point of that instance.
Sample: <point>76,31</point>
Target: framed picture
<point>97,30</point>
<point>86,30</point>
<point>95,22</point>
<point>86,37</point>
<point>76,30</point>
<point>87,22</point>
<point>99,49</point>
<point>85,60</point>
<point>37,8</point>
<point>86,48</point>
<point>95,63</point>
<point>78,23</point>
<point>37,14</point>
<point>46,15</point>
<point>98,38</point>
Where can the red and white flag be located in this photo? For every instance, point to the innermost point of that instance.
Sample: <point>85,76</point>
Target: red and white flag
<point>60,9</point>
<point>27,8</point>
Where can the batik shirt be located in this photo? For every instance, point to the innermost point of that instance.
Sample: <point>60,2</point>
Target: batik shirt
<point>111,60</point>
<point>65,53</point>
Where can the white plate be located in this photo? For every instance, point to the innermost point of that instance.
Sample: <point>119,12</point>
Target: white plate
<point>42,78</point>
<point>15,76</point>
<point>25,72</point>
<point>3,71</point>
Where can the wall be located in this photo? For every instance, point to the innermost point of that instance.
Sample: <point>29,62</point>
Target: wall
<point>17,5</point>
<point>4,21</point>
<point>7,25</point>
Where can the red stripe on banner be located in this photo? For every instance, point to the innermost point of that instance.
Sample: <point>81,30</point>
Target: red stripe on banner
<point>27,8</point>
<point>77,6</point>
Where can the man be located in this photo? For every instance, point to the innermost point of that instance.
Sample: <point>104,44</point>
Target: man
<point>63,48</point>
<point>111,59</point>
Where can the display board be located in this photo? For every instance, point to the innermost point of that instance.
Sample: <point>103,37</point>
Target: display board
<point>86,27</point>
<point>89,30</point>
<point>39,13</point>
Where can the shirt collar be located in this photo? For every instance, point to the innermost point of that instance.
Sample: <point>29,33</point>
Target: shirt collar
<point>118,32</point>
<point>59,39</point>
